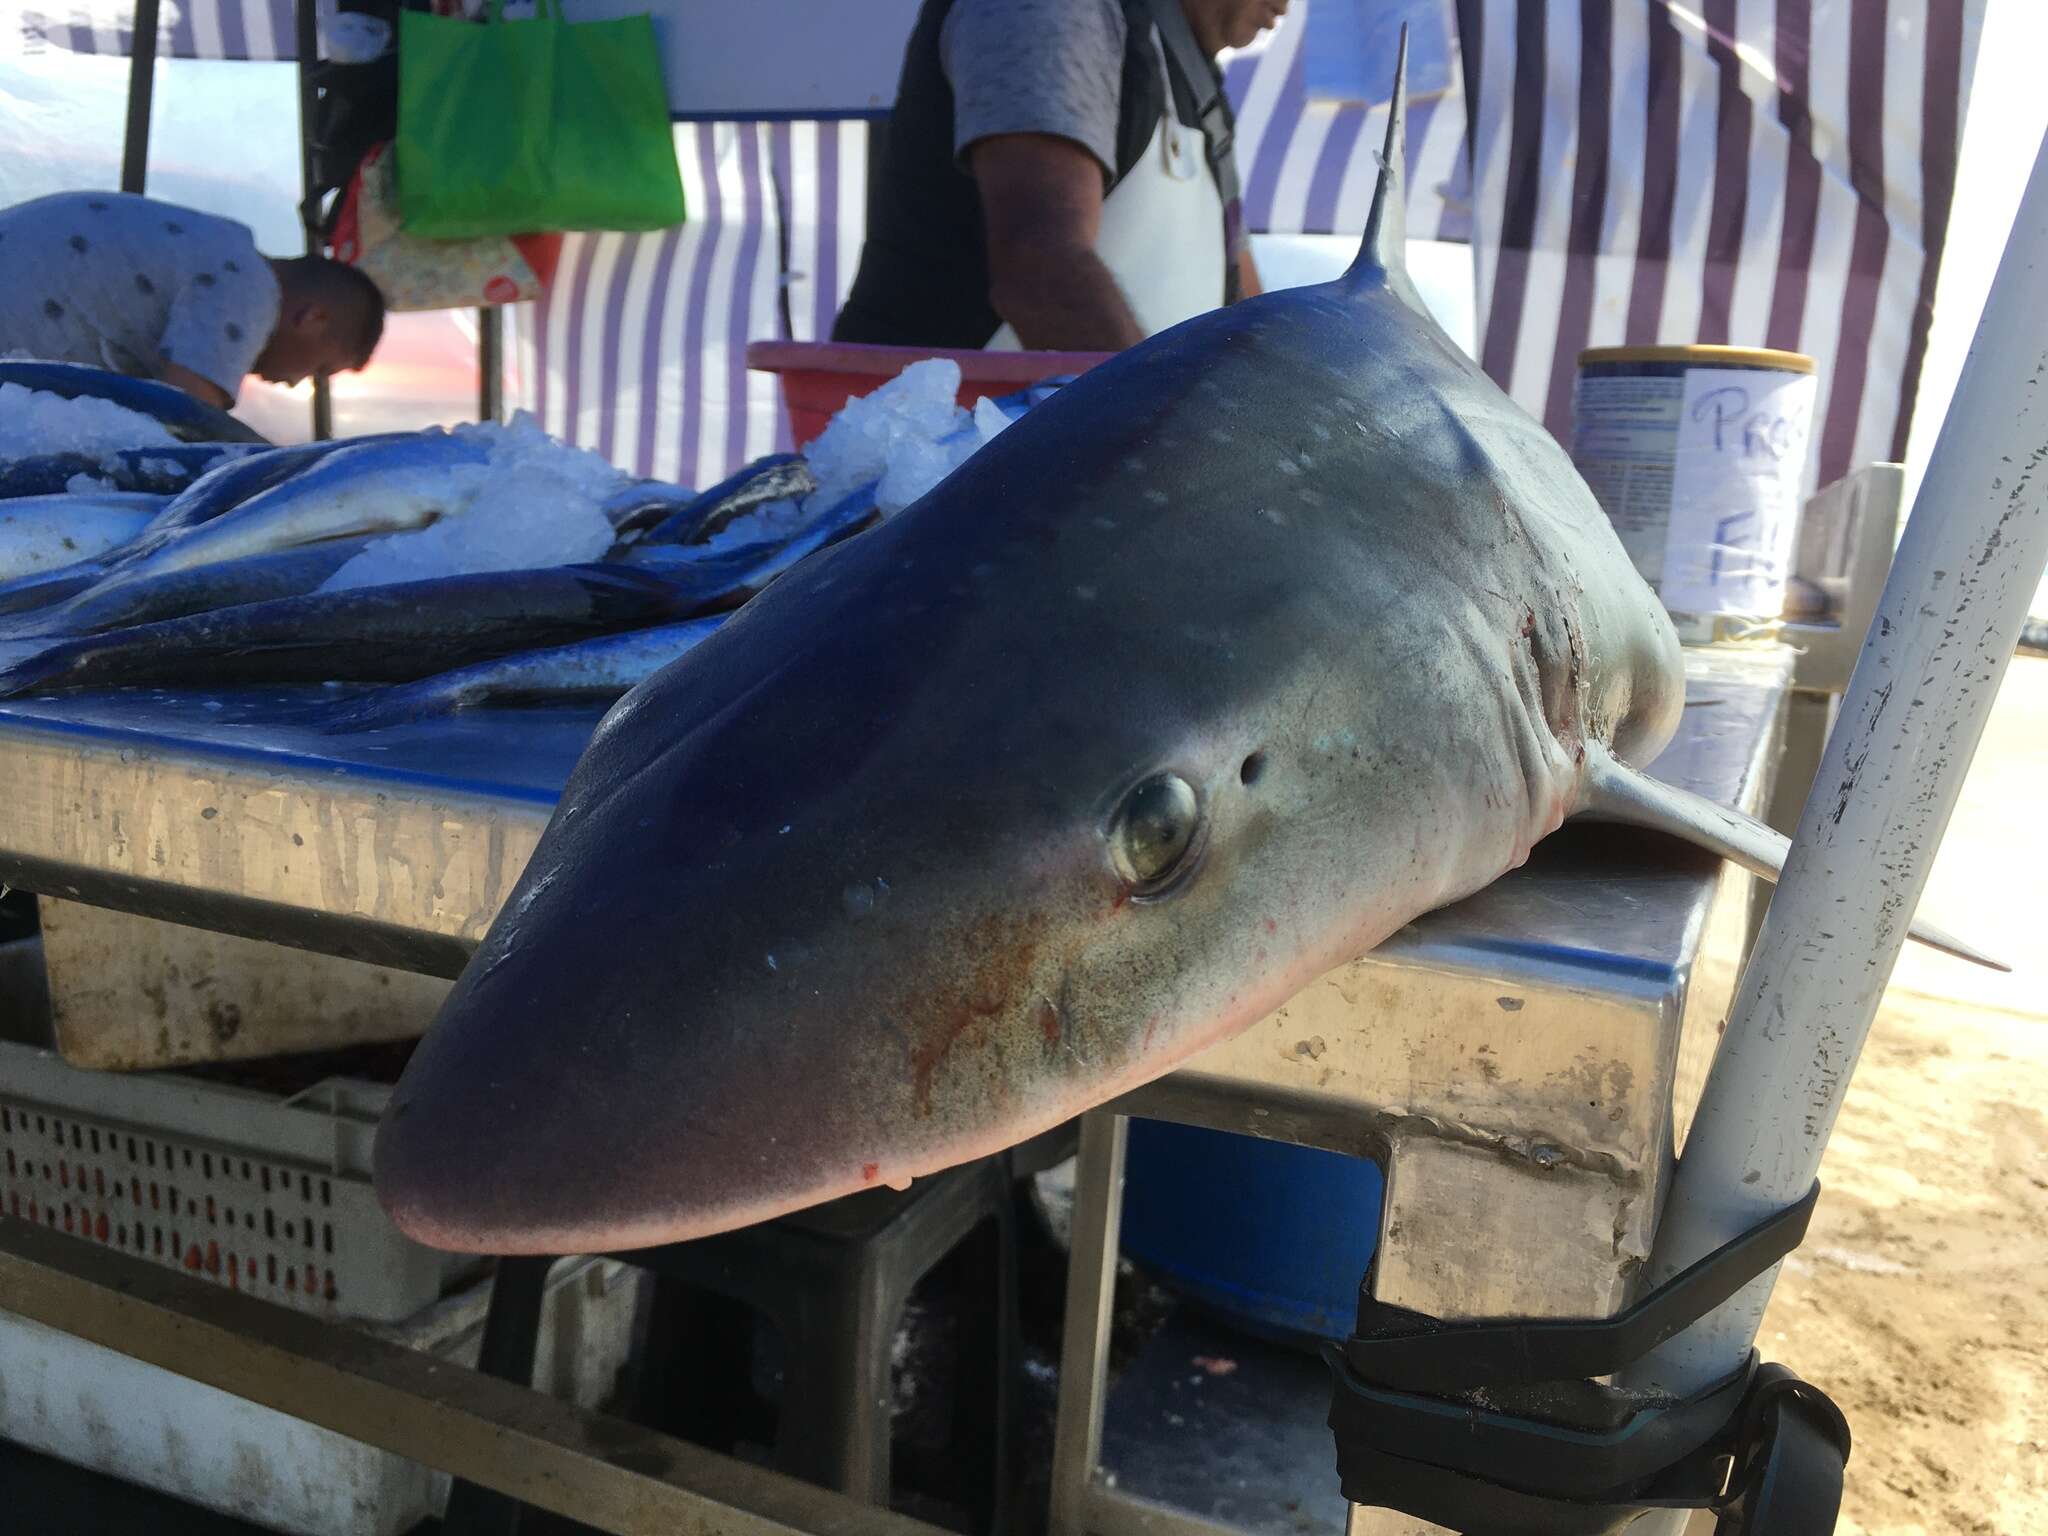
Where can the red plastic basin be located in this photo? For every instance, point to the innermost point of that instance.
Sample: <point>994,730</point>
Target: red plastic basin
<point>819,377</point>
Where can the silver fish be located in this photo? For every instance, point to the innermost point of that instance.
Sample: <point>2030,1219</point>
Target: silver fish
<point>39,589</point>
<point>375,487</point>
<point>227,485</point>
<point>174,594</point>
<point>638,506</point>
<point>778,477</point>
<point>589,670</point>
<point>729,577</point>
<point>368,634</point>
<point>161,471</point>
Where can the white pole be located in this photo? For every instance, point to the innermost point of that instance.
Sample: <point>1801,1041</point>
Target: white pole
<point>1972,556</point>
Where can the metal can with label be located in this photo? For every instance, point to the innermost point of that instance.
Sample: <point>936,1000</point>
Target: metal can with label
<point>1698,456</point>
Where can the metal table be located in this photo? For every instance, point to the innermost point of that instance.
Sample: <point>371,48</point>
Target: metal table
<point>236,812</point>
<point>1521,1062</point>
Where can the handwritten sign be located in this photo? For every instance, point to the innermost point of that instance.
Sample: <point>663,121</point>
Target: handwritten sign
<point>1736,470</point>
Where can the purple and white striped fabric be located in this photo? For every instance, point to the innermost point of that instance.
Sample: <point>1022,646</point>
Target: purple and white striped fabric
<point>251,30</point>
<point>629,309</point>
<point>639,349</point>
<point>1757,172</point>
<point>1763,173</point>
<point>1308,168</point>
<point>821,178</point>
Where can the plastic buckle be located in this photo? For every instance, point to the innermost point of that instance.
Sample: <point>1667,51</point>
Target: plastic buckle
<point>1218,132</point>
<point>1789,1453</point>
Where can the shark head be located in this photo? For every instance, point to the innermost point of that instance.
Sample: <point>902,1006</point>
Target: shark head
<point>1203,677</point>
<point>952,833</point>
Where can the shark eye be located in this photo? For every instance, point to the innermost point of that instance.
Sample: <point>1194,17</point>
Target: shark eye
<point>1154,830</point>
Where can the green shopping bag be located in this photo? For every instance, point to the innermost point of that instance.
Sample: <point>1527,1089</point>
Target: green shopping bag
<point>513,127</point>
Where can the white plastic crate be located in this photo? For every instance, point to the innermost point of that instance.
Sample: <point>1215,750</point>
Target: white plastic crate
<point>92,1406</point>
<point>270,1196</point>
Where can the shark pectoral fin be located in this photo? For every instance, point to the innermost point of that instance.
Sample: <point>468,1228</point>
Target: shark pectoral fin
<point>1618,793</point>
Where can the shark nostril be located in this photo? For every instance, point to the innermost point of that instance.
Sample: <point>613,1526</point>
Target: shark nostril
<point>1248,772</point>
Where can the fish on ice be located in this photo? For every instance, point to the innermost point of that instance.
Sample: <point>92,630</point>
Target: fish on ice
<point>376,486</point>
<point>176,594</point>
<point>778,477</point>
<point>390,633</point>
<point>159,471</point>
<point>587,671</point>
<point>187,419</point>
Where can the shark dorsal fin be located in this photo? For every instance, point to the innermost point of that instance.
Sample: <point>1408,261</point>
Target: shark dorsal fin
<point>1383,254</point>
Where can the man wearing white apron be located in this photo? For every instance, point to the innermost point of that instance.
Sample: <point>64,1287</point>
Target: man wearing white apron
<point>1056,174</point>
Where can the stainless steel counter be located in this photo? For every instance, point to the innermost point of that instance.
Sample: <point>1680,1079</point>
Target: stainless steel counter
<point>236,812</point>
<point>1547,1019</point>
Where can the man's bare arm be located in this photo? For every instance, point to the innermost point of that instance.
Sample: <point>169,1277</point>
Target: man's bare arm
<point>1041,207</point>
<point>198,388</point>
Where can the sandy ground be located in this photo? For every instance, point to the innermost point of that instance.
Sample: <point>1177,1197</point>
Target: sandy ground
<point>1920,1298</point>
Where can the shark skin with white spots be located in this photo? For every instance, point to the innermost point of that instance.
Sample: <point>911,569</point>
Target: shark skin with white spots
<point>1211,672</point>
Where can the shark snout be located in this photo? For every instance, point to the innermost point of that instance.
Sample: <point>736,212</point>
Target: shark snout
<point>835,904</point>
<point>643,1058</point>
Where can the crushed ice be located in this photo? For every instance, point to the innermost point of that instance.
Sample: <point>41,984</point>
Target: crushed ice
<point>34,422</point>
<point>539,503</point>
<point>538,500</point>
<point>904,438</point>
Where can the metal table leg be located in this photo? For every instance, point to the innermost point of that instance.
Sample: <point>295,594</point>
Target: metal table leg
<point>1466,1231</point>
<point>1091,1296</point>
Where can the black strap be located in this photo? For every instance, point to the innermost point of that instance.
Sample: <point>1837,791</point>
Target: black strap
<point>1448,1357</point>
<point>1199,100</point>
<point>1762,1449</point>
<point>1498,1425</point>
<point>1514,1450</point>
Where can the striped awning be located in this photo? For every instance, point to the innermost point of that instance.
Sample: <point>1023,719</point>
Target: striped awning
<point>639,350</point>
<point>1755,172</point>
<point>252,30</point>
<point>1752,172</point>
<point>1307,166</point>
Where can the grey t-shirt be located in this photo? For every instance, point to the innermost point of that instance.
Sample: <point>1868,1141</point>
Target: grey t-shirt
<point>1036,66</point>
<point>123,282</point>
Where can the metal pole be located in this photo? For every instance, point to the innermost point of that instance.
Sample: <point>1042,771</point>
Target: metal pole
<point>1917,703</point>
<point>141,83</point>
<point>308,46</point>
<point>490,364</point>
